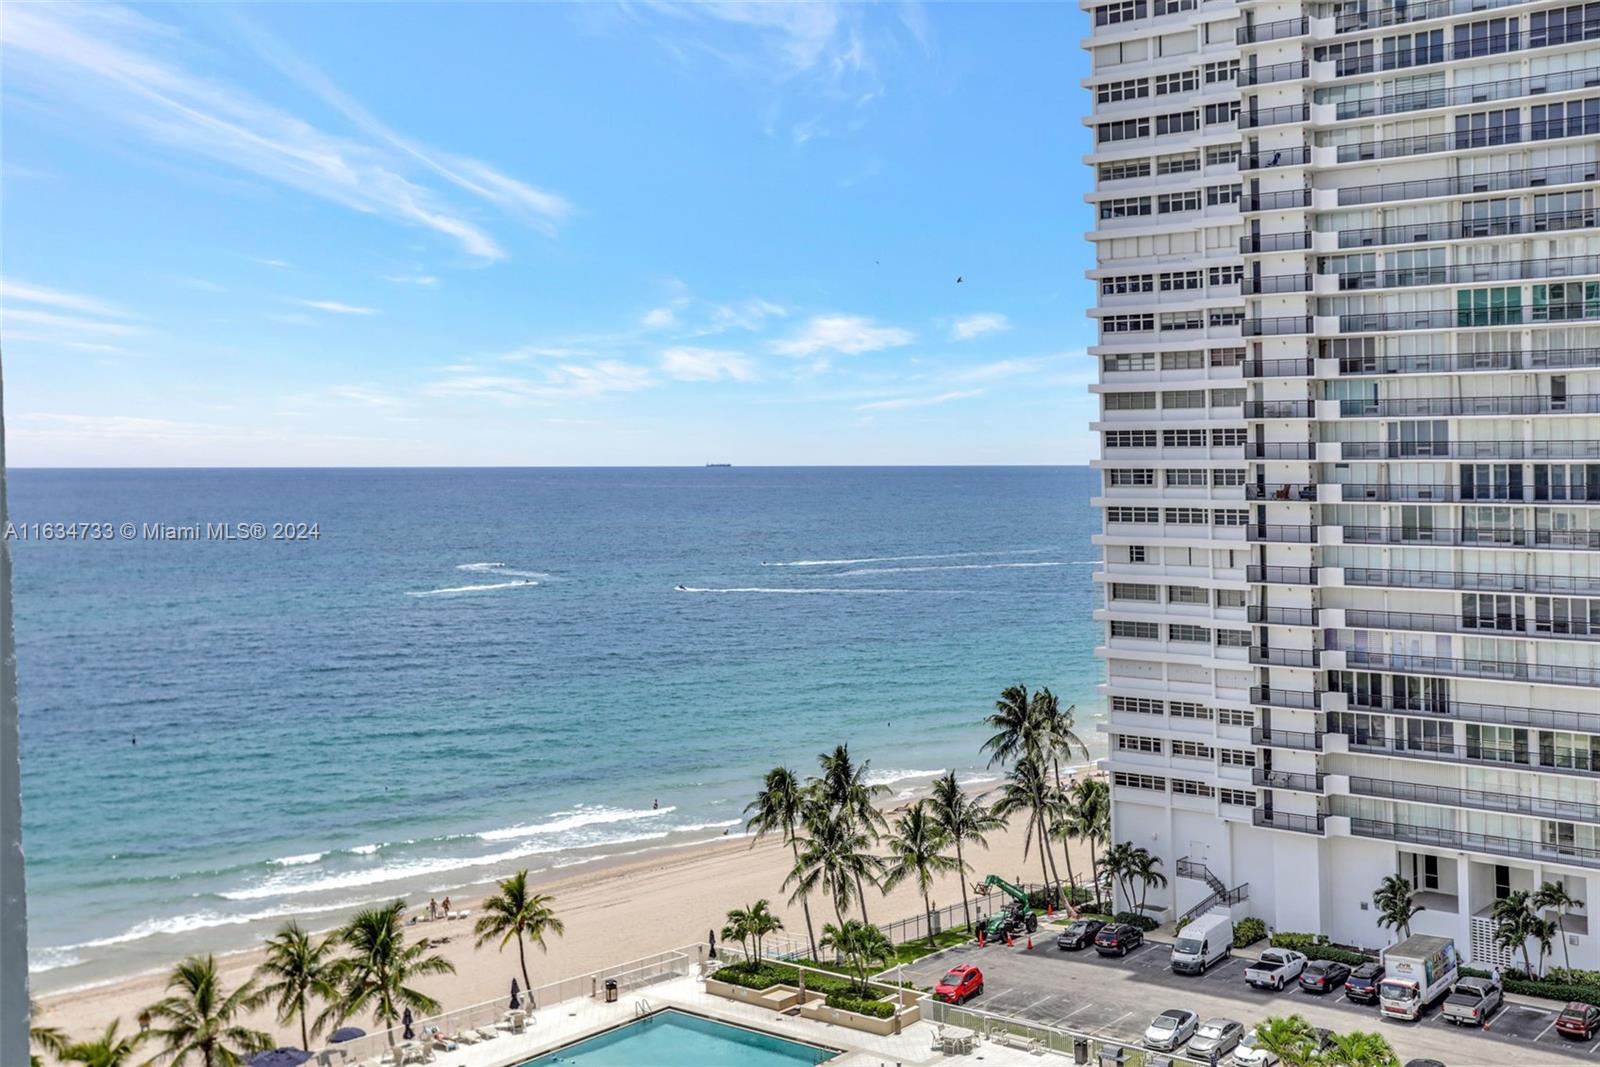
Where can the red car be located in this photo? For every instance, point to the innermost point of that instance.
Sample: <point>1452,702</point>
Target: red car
<point>1578,1020</point>
<point>959,986</point>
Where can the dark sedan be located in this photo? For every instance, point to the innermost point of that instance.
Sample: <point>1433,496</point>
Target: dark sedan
<point>1320,976</point>
<point>1118,939</point>
<point>1362,985</point>
<point>1080,934</point>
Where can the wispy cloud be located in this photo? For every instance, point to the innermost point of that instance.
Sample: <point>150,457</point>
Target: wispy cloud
<point>53,316</point>
<point>334,307</point>
<point>965,329</point>
<point>847,334</point>
<point>689,364</point>
<point>111,62</point>
<point>566,381</point>
<point>659,318</point>
<point>900,403</point>
<point>427,281</point>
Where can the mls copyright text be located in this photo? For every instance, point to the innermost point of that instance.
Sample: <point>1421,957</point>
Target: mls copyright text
<point>163,531</point>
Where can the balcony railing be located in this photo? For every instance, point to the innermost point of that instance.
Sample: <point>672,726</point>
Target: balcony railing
<point>1278,325</point>
<point>1274,242</point>
<point>1468,229</point>
<point>1466,184</point>
<point>1490,714</point>
<point>1419,452</point>
<point>1282,533</point>
<point>1492,537</point>
<point>1272,575</point>
<point>1461,840</point>
<point>1479,581</point>
<point>1280,492</point>
<point>1450,362</point>
<point>1511,756</point>
<point>1518,626</point>
<point>1261,32</point>
<point>1286,657</point>
<point>1274,72</point>
<point>1449,796</point>
<point>1513,270</point>
<point>1283,698</point>
<point>1348,20</point>
<point>1492,669</point>
<point>1280,450</point>
<point>1305,741</point>
<point>1275,283</point>
<point>1441,406</point>
<point>1278,368</point>
<point>1483,92</point>
<point>1463,139</point>
<point>1275,201</point>
<point>1444,492</point>
<point>1255,118</point>
<point>1297,156</point>
<point>1283,820</point>
<point>1300,783</point>
<point>1283,616</point>
<point>1427,53</point>
<point>1279,409</point>
<point>1445,319</point>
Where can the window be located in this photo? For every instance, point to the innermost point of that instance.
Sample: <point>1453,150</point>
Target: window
<point>1114,92</point>
<point>1138,553</point>
<point>1226,316</point>
<point>1182,631</point>
<point>1182,477</point>
<point>1187,594</point>
<point>1230,517</point>
<point>1187,517</point>
<point>1226,438</point>
<point>1129,361</point>
<point>1134,515</point>
<point>1128,591</point>
<point>1227,357</point>
<point>1126,207</point>
<point>1170,203</point>
<point>1217,73</point>
<point>1570,119</point>
<point>1239,798</point>
<point>1235,717</point>
<point>1182,122</point>
<point>1230,598</point>
<point>1223,112</point>
<point>1124,130</point>
<point>1167,7</point>
<point>1190,788</point>
<point>1186,81</point>
<point>1184,438</point>
<point>1183,398</point>
<point>1135,743</point>
<point>1139,781</point>
<point>1184,360</point>
<point>1124,169</point>
<point>1484,38</point>
<point>1128,323</point>
<point>1137,706</point>
<point>1123,284</point>
<point>1236,757</point>
<point>1227,398</point>
<point>1130,438</point>
<point>1502,744</point>
<point>1179,281</point>
<point>1222,155</point>
<point>1565,301</point>
<point>1225,477</point>
<point>1182,320</point>
<point>1222,194</point>
<point>1136,476</point>
<point>1192,750</point>
<point>1489,307</point>
<point>1233,638</point>
<point>1142,631</point>
<point>1182,163</point>
<point>1229,275</point>
<point>1123,11</point>
<point>1129,401</point>
<point>1580,22</point>
<point>1430,872</point>
<point>1181,709</point>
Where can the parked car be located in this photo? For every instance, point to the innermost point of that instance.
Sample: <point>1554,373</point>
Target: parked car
<point>1320,976</point>
<point>1472,1001</point>
<point>1080,934</point>
<point>1578,1019</point>
<point>1249,1052</point>
<point>961,984</point>
<point>1423,1063</point>
<point>1276,968</point>
<point>1362,985</point>
<point>1219,1035</point>
<point>1170,1029</point>
<point>1118,939</point>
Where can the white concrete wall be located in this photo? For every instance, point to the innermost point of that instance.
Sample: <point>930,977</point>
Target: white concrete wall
<point>13,896</point>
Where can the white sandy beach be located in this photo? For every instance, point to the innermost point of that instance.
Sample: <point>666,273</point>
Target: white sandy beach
<point>612,915</point>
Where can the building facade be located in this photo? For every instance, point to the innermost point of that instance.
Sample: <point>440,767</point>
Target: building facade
<point>1348,265</point>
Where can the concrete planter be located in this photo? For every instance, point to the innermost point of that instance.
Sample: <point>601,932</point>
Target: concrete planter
<point>820,1011</point>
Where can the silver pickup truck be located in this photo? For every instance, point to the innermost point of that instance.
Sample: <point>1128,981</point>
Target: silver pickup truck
<point>1277,968</point>
<point>1472,1001</point>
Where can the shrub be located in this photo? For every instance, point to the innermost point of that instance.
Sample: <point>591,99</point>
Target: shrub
<point>878,1009</point>
<point>1133,918</point>
<point>1316,947</point>
<point>1181,924</point>
<point>770,974</point>
<point>1248,931</point>
<point>1550,987</point>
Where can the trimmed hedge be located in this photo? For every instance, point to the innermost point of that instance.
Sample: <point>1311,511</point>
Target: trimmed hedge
<point>878,1009</point>
<point>1316,947</point>
<point>771,974</point>
<point>1248,931</point>
<point>1133,918</point>
<point>1548,988</point>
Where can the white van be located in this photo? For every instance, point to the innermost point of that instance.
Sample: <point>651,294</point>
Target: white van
<point>1206,940</point>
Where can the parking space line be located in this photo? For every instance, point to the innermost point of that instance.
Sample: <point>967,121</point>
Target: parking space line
<point>1591,1047</point>
<point>1546,1030</point>
<point>1075,1011</point>
<point>1114,1022</point>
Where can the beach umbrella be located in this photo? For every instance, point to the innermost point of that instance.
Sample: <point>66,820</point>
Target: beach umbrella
<point>279,1057</point>
<point>712,936</point>
<point>516,995</point>
<point>405,1021</point>
<point>346,1033</point>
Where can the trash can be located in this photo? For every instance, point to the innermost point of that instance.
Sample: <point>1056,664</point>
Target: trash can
<point>1111,1056</point>
<point>1080,1050</point>
<point>611,990</point>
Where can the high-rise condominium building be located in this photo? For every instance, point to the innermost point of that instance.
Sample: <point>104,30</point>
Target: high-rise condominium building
<point>1349,333</point>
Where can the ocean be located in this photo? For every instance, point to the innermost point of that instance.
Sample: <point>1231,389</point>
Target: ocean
<point>471,671</point>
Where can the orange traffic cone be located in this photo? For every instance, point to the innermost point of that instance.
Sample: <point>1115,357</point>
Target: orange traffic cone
<point>1030,942</point>
<point>1009,943</point>
<point>1050,910</point>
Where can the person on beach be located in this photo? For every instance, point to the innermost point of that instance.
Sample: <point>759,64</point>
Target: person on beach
<point>655,805</point>
<point>433,908</point>
<point>446,907</point>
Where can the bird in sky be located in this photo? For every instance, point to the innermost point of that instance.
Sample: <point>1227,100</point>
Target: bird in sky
<point>958,279</point>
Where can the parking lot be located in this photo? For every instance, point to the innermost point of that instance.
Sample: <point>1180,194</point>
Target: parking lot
<point>1117,998</point>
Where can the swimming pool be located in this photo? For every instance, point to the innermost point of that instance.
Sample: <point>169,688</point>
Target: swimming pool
<point>677,1039</point>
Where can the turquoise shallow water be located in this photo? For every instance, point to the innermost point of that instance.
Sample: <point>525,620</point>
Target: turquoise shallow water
<point>471,671</point>
<point>674,1039</point>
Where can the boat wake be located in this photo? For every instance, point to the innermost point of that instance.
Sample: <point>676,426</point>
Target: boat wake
<point>516,583</point>
<point>897,559</point>
<point>947,567</point>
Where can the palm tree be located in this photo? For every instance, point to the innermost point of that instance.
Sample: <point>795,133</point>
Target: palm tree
<point>916,849</point>
<point>962,818</point>
<point>1554,896</point>
<point>202,1017</point>
<point>517,912</point>
<point>1396,905</point>
<point>862,944</point>
<point>1514,924</point>
<point>1359,1048</point>
<point>1015,731</point>
<point>778,808</point>
<point>1292,1040</point>
<point>833,856</point>
<point>377,973</point>
<point>1056,734</point>
<point>1143,870</point>
<point>737,928</point>
<point>49,1038</point>
<point>845,789</point>
<point>1028,789</point>
<point>1543,932</point>
<point>110,1049</point>
<point>296,969</point>
<point>762,922</point>
<point>1118,868</point>
<point>1086,815</point>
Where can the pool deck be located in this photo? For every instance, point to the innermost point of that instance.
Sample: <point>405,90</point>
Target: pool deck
<point>573,1020</point>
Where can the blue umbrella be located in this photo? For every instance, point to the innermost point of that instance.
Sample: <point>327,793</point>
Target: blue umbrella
<point>346,1033</point>
<point>405,1020</point>
<point>516,995</point>
<point>279,1057</point>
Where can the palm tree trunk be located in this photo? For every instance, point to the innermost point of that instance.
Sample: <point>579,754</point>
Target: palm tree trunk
<point>961,872</point>
<point>805,903</point>
<point>1044,852</point>
<point>862,893</point>
<point>1561,924</point>
<point>522,958</point>
<point>1044,843</point>
<point>1094,863</point>
<point>927,907</point>
<point>305,1035</point>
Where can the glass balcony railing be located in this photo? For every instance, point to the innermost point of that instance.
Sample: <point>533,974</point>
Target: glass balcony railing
<point>1513,626</point>
<point>1297,156</point>
<point>1275,283</point>
<point>1489,537</point>
<point>1254,118</point>
<point>1275,201</point>
<point>1303,740</point>
<point>1477,581</point>
<point>1464,841</point>
<point>1423,51</point>
<point>1491,714</point>
<point>1283,616</point>
<point>1419,451</point>
<point>1279,409</point>
<point>1282,491</point>
<point>1285,698</point>
<point>1481,93</point>
<point>1472,667</point>
<point>1446,319</point>
<point>1469,229</point>
<point>1347,19</point>
<point>1274,575</point>
<point>1451,493</point>
<point>1460,140</point>
<point>1278,325</point>
<point>1467,273</point>
<point>1300,783</point>
<point>1452,362</point>
<point>1274,72</point>
<point>1282,533</point>
<point>1283,820</point>
<point>1280,30</point>
<point>1449,796</point>
<point>1469,184</point>
<point>1444,406</point>
<point>1280,450</point>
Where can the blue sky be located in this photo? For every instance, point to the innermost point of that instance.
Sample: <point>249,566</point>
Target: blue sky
<point>356,234</point>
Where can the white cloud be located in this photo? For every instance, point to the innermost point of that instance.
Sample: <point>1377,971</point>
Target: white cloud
<point>427,281</point>
<point>750,314</point>
<point>659,318</point>
<point>565,381</point>
<point>334,307</point>
<point>902,402</point>
<point>55,317</point>
<point>111,63</point>
<point>13,291</point>
<point>690,364</point>
<point>965,329</point>
<point>370,397</point>
<point>848,334</point>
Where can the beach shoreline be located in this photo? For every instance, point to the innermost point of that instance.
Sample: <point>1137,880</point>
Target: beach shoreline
<point>616,909</point>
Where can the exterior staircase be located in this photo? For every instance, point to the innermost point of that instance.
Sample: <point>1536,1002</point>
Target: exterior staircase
<point>1221,898</point>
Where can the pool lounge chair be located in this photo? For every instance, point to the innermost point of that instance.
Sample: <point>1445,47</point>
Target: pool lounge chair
<point>488,1033</point>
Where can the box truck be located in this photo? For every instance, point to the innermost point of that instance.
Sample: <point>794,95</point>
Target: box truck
<point>1416,972</point>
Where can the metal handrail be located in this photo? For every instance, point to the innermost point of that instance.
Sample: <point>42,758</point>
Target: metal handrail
<point>1466,184</point>
<point>1467,229</point>
<point>1355,492</point>
<point>1485,581</point>
<point>1275,157</point>
<point>1301,783</point>
<point>1274,72</point>
<point>1283,698</point>
<point>1260,33</point>
<point>1491,714</point>
<point>1459,140</point>
<point>1258,574</point>
<point>1273,616</point>
<point>1280,450</point>
<point>1488,538</point>
<point>1453,319</point>
<point>1251,243</point>
<point>1445,51</point>
<point>1438,406</point>
<point>1462,840</point>
<point>1282,198</point>
<point>1274,116</point>
<point>1288,820</point>
<point>1480,93</point>
<point>1437,622</point>
<point>1449,362</point>
<point>1277,325</point>
<point>1458,667</point>
<point>1422,451</point>
<point>1542,807</point>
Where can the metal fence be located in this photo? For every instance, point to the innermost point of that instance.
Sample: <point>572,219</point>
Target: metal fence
<point>1002,1029</point>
